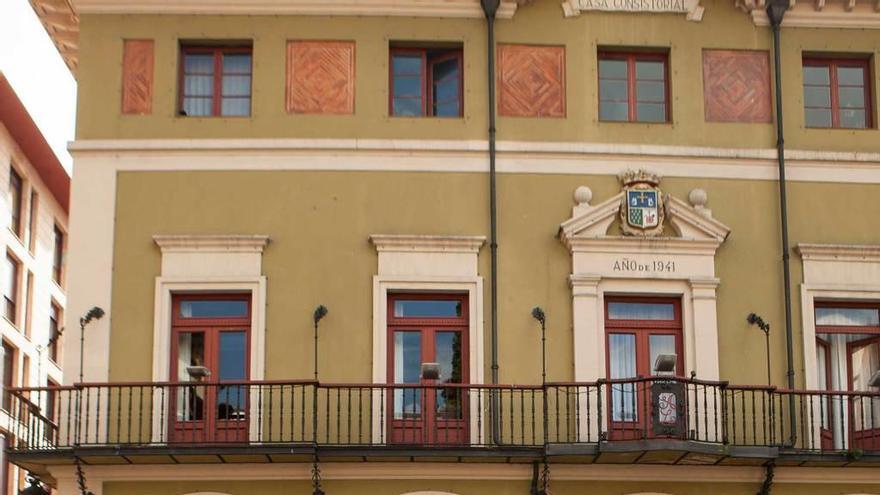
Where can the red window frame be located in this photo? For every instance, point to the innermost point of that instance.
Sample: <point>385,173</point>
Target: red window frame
<point>12,299</point>
<point>832,64</point>
<point>54,344</point>
<point>16,189</point>
<point>643,329</point>
<point>58,255</point>
<point>631,58</point>
<point>427,80</point>
<point>217,95</point>
<point>853,329</point>
<point>10,370</point>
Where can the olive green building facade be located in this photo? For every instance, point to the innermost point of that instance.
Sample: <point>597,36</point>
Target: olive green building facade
<point>240,164</point>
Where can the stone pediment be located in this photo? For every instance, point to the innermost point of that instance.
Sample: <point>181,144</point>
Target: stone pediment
<point>691,223</point>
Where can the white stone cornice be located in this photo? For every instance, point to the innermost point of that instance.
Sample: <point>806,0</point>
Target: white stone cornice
<point>593,223</point>
<point>839,252</point>
<point>211,243</point>
<point>417,8</point>
<point>427,243</point>
<point>835,14</point>
<point>646,245</point>
<point>689,222</point>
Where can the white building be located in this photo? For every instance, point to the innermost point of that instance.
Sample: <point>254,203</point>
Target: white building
<point>33,229</point>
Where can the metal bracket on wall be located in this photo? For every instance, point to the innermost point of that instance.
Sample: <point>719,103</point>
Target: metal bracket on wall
<point>767,486</point>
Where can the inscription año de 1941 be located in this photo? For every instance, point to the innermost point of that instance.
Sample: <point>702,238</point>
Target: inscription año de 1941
<point>653,266</point>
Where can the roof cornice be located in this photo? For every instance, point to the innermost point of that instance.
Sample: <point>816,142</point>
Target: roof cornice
<point>419,8</point>
<point>835,14</point>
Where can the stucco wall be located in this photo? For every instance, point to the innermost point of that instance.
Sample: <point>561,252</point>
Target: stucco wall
<point>542,22</point>
<point>319,224</point>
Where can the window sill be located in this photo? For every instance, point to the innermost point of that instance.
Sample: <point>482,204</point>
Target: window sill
<point>851,129</point>
<point>17,237</point>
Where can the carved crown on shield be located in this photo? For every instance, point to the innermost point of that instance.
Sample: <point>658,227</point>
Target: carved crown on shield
<point>642,208</point>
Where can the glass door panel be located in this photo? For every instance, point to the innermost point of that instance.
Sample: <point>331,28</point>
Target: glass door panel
<point>864,362</point>
<point>447,350</point>
<point>407,370</point>
<point>622,361</point>
<point>232,366</point>
<point>191,368</point>
<point>658,345</point>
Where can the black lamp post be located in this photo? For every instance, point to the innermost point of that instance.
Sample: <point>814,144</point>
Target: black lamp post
<point>541,485</point>
<point>538,314</point>
<point>95,313</point>
<point>756,320</point>
<point>320,313</point>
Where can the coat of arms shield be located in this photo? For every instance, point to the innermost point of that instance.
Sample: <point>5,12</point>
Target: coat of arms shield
<point>642,210</point>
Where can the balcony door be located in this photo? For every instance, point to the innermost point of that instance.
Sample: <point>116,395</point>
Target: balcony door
<point>423,329</point>
<point>864,361</point>
<point>209,365</point>
<point>847,356</point>
<point>638,330</point>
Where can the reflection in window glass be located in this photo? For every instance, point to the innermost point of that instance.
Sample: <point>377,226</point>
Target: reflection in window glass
<point>448,355</point>
<point>427,308</point>
<point>407,369</point>
<point>233,358</point>
<point>640,311</point>
<point>848,316</point>
<point>661,344</point>
<point>213,309</point>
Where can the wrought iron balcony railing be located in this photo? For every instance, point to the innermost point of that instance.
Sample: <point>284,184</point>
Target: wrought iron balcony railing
<point>307,413</point>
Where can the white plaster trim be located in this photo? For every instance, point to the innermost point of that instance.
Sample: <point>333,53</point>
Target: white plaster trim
<point>839,252</point>
<point>459,471</point>
<point>419,8</point>
<point>427,243</point>
<point>833,272</point>
<point>681,267</point>
<point>382,285</point>
<point>805,16</point>
<point>165,287</point>
<point>211,243</point>
<point>470,156</point>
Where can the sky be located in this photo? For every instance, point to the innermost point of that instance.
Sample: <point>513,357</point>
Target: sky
<point>38,74</point>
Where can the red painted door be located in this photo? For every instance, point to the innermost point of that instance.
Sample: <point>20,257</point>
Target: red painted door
<point>427,329</point>
<point>864,361</point>
<point>638,330</point>
<point>210,362</point>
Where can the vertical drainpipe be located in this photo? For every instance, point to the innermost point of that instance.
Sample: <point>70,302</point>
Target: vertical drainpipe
<point>490,8</point>
<point>775,12</point>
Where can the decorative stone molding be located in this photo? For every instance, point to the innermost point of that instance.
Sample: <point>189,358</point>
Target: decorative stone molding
<point>682,264</point>
<point>692,8</point>
<point>427,243</point>
<point>419,8</point>
<point>212,243</point>
<point>839,252</point>
<point>426,263</point>
<point>834,272</point>
<point>204,264</point>
<point>836,14</point>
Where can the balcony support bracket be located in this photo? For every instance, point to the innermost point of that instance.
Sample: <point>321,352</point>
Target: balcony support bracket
<point>767,486</point>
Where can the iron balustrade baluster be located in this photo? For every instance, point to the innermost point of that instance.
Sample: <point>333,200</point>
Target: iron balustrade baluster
<point>556,414</point>
<point>696,402</point>
<point>577,415</point>
<point>271,403</point>
<point>754,424</point>
<point>382,433</point>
